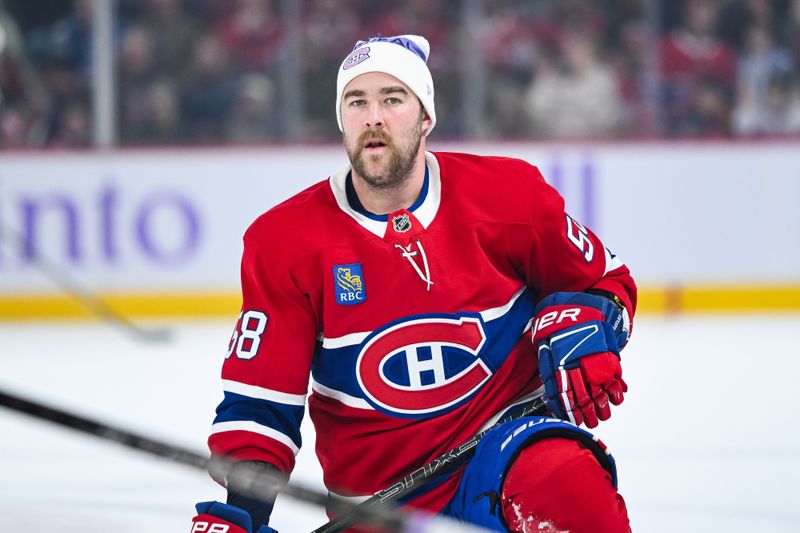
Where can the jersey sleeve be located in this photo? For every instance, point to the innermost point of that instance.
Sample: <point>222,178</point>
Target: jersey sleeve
<point>266,370</point>
<point>559,254</point>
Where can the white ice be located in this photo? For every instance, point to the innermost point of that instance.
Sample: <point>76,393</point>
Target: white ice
<point>706,440</point>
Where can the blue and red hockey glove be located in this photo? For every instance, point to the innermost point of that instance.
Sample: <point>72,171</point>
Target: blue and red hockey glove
<point>216,517</point>
<point>578,337</point>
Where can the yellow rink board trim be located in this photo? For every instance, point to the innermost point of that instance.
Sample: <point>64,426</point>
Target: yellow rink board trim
<point>652,300</point>
<point>719,298</point>
<point>162,305</point>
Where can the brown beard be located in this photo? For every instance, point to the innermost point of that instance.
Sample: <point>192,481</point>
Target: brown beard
<point>402,160</point>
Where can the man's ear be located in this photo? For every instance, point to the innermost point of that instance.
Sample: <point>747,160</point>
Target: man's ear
<point>426,122</point>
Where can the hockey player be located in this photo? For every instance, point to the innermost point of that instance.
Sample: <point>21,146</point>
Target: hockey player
<point>424,295</point>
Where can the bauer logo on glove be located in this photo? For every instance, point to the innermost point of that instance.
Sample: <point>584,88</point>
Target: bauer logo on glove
<point>578,337</point>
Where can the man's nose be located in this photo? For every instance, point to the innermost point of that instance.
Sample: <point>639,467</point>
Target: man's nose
<point>374,116</point>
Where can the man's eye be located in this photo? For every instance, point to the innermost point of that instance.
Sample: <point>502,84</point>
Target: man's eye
<point>392,100</point>
<point>356,103</point>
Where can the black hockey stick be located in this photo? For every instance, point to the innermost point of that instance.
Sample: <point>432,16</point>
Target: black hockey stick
<point>74,289</point>
<point>252,481</point>
<point>444,463</point>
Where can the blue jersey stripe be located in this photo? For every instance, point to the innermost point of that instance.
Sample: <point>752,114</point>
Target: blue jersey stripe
<point>281,417</point>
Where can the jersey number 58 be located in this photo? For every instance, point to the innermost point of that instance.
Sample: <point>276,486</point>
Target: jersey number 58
<point>578,236</point>
<point>247,334</point>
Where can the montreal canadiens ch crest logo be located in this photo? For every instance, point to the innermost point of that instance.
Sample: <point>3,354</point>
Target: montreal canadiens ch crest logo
<point>358,55</point>
<point>424,366</point>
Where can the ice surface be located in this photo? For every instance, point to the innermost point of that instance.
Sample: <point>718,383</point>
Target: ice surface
<point>707,439</point>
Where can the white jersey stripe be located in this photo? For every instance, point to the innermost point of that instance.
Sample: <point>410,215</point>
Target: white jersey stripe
<point>612,263</point>
<point>350,401</point>
<point>339,189</point>
<point>497,312</point>
<point>426,212</point>
<point>353,339</point>
<point>253,427</point>
<point>260,393</point>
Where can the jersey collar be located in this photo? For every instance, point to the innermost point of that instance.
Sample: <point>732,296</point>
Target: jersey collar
<point>424,208</point>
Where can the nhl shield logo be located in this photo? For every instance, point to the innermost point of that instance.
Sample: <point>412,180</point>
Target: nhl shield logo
<point>401,223</point>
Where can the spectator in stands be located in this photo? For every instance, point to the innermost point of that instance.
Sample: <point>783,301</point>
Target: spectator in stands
<point>432,19</point>
<point>793,113</point>
<point>23,100</point>
<point>512,42</point>
<point>329,29</point>
<point>137,73</point>
<point>208,92</point>
<point>254,117</point>
<point>67,41</point>
<point>736,17</point>
<point>331,26</point>
<point>792,33</point>
<point>698,74</point>
<point>629,60</point>
<point>761,67</point>
<point>173,31</point>
<point>162,122</point>
<point>13,129</point>
<point>188,62</point>
<point>512,39</point>
<point>74,126</point>
<point>780,113</point>
<point>62,53</point>
<point>577,98</point>
<point>252,35</point>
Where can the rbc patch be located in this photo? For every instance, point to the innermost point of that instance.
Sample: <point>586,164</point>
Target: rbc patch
<point>349,284</point>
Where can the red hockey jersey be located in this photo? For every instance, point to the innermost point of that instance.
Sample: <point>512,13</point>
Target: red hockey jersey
<point>412,328</point>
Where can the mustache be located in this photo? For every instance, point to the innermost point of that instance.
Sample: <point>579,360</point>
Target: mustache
<point>369,135</point>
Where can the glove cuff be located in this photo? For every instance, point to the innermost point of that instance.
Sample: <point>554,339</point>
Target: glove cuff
<point>216,512</point>
<point>612,310</point>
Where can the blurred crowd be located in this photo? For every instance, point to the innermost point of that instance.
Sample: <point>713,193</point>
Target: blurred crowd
<point>251,71</point>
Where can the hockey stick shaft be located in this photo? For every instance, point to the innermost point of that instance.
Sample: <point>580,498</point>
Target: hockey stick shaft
<point>254,482</point>
<point>444,463</point>
<point>75,290</point>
